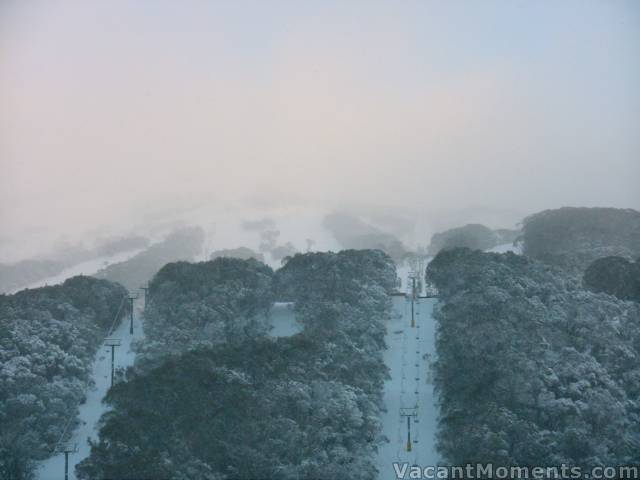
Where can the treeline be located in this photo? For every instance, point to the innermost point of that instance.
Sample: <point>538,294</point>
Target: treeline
<point>354,233</point>
<point>238,404</point>
<point>48,339</point>
<point>532,369</point>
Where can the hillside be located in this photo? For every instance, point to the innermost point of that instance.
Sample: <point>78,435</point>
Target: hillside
<point>474,236</point>
<point>572,238</point>
<point>253,406</point>
<point>182,244</point>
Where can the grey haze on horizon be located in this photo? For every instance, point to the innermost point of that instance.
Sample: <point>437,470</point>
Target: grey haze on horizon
<point>119,114</point>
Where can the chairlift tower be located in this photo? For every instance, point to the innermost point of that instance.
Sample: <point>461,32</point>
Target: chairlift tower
<point>412,276</point>
<point>131,299</point>
<point>67,449</point>
<point>409,413</point>
<point>146,294</point>
<point>113,343</point>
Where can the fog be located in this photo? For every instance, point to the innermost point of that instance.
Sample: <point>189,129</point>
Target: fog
<point>120,116</point>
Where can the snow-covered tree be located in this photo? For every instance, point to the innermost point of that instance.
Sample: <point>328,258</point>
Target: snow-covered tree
<point>532,369</point>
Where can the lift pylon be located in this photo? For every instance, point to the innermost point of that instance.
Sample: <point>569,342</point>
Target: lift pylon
<point>113,343</point>
<point>67,448</point>
<point>409,413</point>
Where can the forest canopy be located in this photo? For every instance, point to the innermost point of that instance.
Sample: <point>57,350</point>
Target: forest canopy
<point>252,406</point>
<point>615,276</point>
<point>532,369</point>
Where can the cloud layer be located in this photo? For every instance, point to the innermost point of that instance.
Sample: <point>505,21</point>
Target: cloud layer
<point>113,112</point>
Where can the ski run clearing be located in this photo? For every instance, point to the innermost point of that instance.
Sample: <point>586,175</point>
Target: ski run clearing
<point>408,394</point>
<point>91,411</point>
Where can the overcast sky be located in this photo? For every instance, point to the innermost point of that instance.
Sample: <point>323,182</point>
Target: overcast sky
<point>116,110</point>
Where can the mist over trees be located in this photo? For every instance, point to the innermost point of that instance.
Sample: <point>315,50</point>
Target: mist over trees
<point>242,253</point>
<point>474,236</point>
<point>269,244</point>
<point>181,244</point>
<point>532,369</point>
<point>259,225</point>
<point>342,240</point>
<point>29,271</point>
<point>20,274</point>
<point>353,233</point>
<point>572,238</point>
<point>252,406</point>
<point>536,363</point>
<point>48,340</point>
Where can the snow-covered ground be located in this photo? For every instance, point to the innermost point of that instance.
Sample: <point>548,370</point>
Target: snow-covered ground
<point>283,320</point>
<point>409,390</point>
<point>91,411</point>
<point>85,268</point>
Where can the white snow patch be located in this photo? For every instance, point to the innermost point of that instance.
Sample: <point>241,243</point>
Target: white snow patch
<point>283,320</point>
<point>507,247</point>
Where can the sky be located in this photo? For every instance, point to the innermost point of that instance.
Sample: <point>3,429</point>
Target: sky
<point>113,113</point>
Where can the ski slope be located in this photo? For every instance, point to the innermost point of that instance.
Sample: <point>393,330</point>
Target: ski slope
<point>409,390</point>
<point>88,267</point>
<point>91,411</point>
<point>284,323</point>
